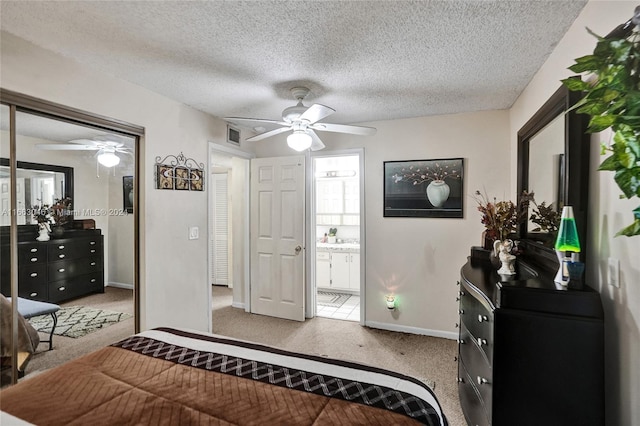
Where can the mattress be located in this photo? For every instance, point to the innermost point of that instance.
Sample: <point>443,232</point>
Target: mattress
<point>176,377</point>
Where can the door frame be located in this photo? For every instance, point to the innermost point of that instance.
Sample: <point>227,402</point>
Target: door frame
<point>312,289</point>
<point>217,148</point>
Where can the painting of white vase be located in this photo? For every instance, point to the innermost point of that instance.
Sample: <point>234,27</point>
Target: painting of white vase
<point>438,192</point>
<point>424,188</point>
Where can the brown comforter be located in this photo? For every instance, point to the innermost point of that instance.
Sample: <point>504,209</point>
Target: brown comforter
<point>149,379</point>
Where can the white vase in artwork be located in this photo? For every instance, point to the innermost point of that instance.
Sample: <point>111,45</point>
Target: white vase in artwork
<point>43,232</point>
<point>437,193</point>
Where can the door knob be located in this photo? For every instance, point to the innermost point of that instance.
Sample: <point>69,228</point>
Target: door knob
<point>298,249</point>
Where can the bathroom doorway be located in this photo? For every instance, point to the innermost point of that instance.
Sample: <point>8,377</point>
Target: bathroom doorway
<point>337,184</point>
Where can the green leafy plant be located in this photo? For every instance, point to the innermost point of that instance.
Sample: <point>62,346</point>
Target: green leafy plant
<point>333,232</point>
<point>612,100</point>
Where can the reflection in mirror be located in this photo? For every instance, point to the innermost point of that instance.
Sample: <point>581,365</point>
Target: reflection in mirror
<point>546,167</point>
<point>34,188</point>
<point>553,162</point>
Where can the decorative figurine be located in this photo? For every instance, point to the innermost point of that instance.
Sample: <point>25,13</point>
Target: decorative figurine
<point>502,249</point>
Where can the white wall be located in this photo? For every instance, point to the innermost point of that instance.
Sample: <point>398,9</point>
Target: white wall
<point>174,290</point>
<point>420,258</point>
<point>607,214</point>
<point>121,241</point>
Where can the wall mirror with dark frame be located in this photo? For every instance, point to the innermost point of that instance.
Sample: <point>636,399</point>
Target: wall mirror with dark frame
<point>38,184</point>
<point>553,162</point>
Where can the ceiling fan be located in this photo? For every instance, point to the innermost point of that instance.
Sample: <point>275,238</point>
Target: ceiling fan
<point>303,121</point>
<point>106,146</point>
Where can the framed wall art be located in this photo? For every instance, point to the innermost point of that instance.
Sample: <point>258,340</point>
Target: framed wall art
<point>127,193</point>
<point>179,173</point>
<point>424,188</point>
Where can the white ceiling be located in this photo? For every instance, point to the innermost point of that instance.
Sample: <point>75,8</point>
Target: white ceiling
<point>369,60</point>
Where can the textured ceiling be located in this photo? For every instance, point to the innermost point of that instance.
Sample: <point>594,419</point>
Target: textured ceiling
<point>369,60</point>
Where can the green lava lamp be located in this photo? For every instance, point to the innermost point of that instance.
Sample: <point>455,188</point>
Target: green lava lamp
<point>567,245</point>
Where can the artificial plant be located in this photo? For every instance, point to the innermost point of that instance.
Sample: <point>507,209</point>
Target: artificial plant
<point>612,100</point>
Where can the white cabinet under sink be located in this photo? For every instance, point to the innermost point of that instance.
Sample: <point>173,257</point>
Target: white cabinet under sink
<point>337,270</point>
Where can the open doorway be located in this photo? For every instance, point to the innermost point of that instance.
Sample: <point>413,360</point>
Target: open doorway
<point>228,227</point>
<point>337,236</point>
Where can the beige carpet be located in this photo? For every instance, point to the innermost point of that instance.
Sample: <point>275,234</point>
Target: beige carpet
<point>422,357</point>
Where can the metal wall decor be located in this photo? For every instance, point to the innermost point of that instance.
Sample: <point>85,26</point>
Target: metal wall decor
<point>180,173</point>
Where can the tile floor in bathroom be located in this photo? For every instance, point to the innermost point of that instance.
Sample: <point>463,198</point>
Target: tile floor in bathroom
<point>349,311</point>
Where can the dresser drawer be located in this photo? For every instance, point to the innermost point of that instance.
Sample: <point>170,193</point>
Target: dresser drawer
<point>32,274</point>
<point>32,253</point>
<point>76,286</point>
<point>479,321</point>
<point>72,268</point>
<point>34,291</point>
<point>73,249</point>
<point>478,368</point>
<point>475,412</point>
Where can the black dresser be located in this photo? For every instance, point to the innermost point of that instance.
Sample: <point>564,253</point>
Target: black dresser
<point>54,270</point>
<point>530,352</point>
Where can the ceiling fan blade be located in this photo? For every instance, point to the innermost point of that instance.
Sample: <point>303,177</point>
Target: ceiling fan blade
<point>66,147</point>
<point>84,142</point>
<point>268,134</point>
<point>316,143</point>
<point>256,120</point>
<point>316,112</point>
<point>344,128</point>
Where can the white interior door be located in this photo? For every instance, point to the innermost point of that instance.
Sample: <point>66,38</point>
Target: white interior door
<point>277,237</point>
<point>220,226</point>
<point>5,201</point>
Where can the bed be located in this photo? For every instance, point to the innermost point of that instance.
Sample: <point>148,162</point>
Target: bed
<point>174,376</point>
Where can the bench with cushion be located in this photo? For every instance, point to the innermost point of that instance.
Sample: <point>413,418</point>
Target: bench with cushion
<point>31,308</point>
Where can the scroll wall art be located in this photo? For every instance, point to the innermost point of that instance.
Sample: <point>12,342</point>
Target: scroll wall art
<point>179,173</point>
<point>423,188</point>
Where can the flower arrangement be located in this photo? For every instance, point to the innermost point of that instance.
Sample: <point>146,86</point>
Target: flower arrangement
<point>59,213</point>
<point>546,217</point>
<point>500,218</point>
<point>61,210</point>
<point>440,170</point>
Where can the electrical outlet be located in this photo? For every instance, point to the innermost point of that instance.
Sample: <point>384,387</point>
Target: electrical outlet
<point>614,272</point>
<point>194,233</point>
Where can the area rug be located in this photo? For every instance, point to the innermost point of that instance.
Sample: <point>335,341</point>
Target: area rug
<point>77,321</point>
<point>332,300</point>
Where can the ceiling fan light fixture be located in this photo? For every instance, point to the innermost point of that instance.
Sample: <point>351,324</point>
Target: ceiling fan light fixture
<point>108,159</point>
<point>299,140</point>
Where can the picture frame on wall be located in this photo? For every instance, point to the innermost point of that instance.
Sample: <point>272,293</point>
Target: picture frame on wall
<point>181,178</point>
<point>127,193</point>
<point>424,188</point>
<point>164,176</point>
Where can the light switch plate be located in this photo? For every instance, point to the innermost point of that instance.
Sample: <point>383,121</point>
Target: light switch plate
<point>614,272</point>
<point>194,233</point>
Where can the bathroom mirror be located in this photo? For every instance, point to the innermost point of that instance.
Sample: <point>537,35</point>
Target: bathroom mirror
<point>37,184</point>
<point>553,162</point>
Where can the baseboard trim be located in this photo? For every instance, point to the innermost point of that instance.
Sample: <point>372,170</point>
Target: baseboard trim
<point>119,285</point>
<point>239,305</point>
<point>413,330</point>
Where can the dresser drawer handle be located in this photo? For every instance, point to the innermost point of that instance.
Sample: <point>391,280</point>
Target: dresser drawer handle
<point>460,380</point>
<point>457,325</point>
<point>457,282</point>
<point>482,381</point>
<point>93,280</point>
<point>93,263</point>
<point>461,311</point>
<point>483,318</point>
<point>93,243</point>
<point>61,256</point>
<point>481,341</point>
<point>34,294</point>
<point>458,299</point>
<point>461,293</point>
<point>62,288</point>
<point>34,259</point>
<point>61,270</point>
<point>61,247</point>
<point>93,250</point>
<point>461,341</point>
<point>34,250</point>
<point>33,274</point>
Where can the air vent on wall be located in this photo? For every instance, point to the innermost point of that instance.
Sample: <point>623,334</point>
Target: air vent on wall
<point>233,135</point>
